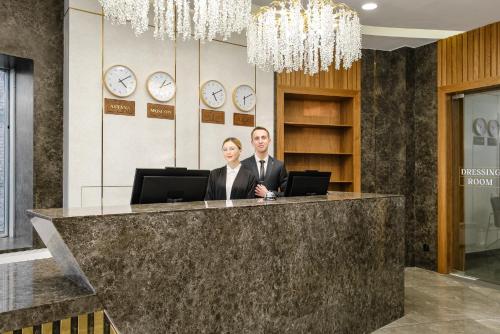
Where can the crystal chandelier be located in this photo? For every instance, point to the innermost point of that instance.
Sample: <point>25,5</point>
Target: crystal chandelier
<point>287,36</point>
<point>172,18</point>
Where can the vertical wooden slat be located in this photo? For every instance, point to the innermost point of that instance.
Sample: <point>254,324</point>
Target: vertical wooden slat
<point>344,78</point>
<point>487,51</point>
<point>27,330</point>
<point>498,49</point>
<point>340,80</point>
<point>459,58</point>
<point>476,54</point>
<point>494,48</point>
<point>443,62</point>
<point>464,57</point>
<point>449,65</point>
<point>439,63</point>
<point>470,56</point>
<point>358,75</point>
<point>481,52</point>
<point>454,59</point>
<point>331,77</point>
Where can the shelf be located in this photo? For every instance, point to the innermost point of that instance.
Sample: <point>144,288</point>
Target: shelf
<point>317,152</point>
<point>317,125</point>
<point>341,181</point>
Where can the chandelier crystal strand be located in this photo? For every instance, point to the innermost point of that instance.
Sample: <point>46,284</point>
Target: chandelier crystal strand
<point>186,20</point>
<point>288,37</point>
<point>213,18</point>
<point>172,18</point>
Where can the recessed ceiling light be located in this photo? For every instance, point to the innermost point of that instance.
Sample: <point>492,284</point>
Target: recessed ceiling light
<point>369,6</point>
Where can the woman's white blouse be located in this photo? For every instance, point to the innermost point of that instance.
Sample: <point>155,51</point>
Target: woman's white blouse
<point>230,177</point>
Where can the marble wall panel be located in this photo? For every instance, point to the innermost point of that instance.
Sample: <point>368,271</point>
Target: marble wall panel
<point>426,156</point>
<point>398,139</point>
<point>34,29</point>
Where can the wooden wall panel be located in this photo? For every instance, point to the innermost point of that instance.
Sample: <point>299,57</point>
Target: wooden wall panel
<point>470,57</point>
<point>466,62</point>
<point>341,79</point>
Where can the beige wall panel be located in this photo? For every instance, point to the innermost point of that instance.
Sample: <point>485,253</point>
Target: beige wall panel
<point>116,195</point>
<point>264,112</point>
<point>187,126</point>
<point>226,63</point>
<point>132,142</point>
<point>87,5</point>
<point>90,197</point>
<point>82,114</point>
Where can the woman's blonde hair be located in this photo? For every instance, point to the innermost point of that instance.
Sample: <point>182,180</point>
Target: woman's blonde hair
<point>234,140</point>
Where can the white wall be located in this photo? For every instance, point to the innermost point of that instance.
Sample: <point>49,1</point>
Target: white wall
<point>477,206</point>
<point>101,150</point>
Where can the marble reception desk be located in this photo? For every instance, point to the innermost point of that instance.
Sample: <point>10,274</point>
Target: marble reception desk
<point>322,264</point>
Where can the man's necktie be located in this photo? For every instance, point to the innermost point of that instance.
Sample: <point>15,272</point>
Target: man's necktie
<point>261,173</point>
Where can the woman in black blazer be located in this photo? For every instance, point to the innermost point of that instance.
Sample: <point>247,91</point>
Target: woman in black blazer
<point>231,181</point>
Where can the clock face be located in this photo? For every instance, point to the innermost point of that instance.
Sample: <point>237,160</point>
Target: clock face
<point>493,128</point>
<point>120,80</point>
<point>213,94</point>
<point>244,98</point>
<point>479,126</point>
<point>161,86</point>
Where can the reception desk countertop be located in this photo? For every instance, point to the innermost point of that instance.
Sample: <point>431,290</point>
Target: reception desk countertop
<point>36,292</point>
<point>54,214</point>
<point>322,264</point>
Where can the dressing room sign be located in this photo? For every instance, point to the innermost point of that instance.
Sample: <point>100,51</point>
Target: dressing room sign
<point>480,177</point>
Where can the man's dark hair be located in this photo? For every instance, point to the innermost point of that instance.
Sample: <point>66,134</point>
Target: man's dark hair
<point>259,128</point>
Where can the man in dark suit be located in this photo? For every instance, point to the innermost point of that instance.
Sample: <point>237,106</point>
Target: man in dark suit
<point>270,173</point>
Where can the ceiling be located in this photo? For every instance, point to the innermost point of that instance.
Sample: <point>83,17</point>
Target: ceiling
<point>424,21</point>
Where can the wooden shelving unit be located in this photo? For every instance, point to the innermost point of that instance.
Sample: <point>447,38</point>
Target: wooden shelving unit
<point>319,129</point>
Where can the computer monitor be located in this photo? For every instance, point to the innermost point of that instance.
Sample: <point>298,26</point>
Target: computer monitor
<point>168,185</point>
<point>307,183</point>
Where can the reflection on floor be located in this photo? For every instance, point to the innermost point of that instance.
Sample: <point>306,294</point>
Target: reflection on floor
<point>443,304</point>
<point>484,265</point>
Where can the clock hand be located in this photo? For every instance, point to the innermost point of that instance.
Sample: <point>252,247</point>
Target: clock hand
<point>220,90</point>
<point>126,78</point>
<point>215,97</point>
<point>122,83</point>
<point>163,83</point>
<point>244,100</point>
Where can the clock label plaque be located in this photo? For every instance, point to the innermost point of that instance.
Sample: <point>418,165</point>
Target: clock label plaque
<point>243,119</point>
<point>212,116</point>
<point>119,107</point>
<point>478,141</point>
<point>162,111</point>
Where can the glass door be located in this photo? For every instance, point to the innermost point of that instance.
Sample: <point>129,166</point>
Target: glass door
<point>475,194</point>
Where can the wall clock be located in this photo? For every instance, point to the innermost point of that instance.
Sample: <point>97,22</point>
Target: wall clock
<point>244,97</point>
<point>120,80</point>
<point>161,86</point>
<point>493,128</point>
<point>213,94</point>
<point>479,126</point>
